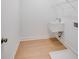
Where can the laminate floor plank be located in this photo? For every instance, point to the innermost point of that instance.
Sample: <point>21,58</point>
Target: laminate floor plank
<point>38,49</point>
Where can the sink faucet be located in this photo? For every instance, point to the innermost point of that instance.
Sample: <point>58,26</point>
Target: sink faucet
<point>59,19</point>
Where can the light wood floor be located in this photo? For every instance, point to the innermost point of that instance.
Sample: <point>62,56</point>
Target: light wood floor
<point>38,49</point>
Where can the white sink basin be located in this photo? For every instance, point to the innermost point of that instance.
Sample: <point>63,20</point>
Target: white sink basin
<point>56,26</point>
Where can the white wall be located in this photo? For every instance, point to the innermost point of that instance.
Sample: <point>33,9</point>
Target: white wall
<point>69,15</point>
<point>35,15</point>
<point>10,27</point>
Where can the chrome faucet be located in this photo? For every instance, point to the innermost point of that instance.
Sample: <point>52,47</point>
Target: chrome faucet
<point>59,19</point>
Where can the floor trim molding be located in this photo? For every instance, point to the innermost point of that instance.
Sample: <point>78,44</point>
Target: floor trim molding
<point>34,37</point>
<point>17,45</point>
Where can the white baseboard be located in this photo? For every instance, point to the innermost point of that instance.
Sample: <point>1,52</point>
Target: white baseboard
<point>16,48</point>
<point>36,37</point>
<point>29,39</point>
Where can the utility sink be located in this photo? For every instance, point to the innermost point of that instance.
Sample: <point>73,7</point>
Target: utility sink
<point>56,26</point>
